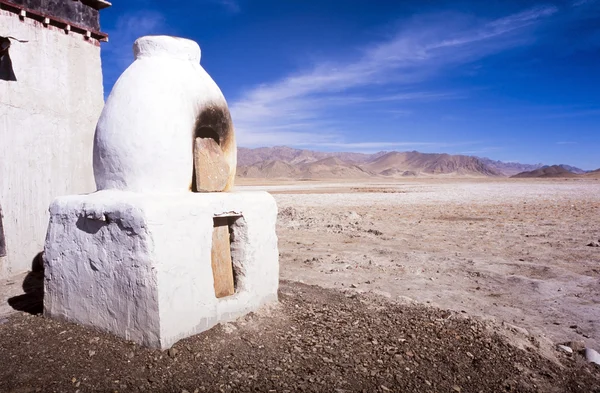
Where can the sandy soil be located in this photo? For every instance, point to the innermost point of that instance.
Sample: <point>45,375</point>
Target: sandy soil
<point>514,251</point>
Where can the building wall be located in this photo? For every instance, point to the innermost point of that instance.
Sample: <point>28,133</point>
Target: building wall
<point>47,122</point>
<point>70,11</point>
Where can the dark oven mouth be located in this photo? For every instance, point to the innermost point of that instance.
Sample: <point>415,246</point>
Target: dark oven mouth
<point>214,122</point>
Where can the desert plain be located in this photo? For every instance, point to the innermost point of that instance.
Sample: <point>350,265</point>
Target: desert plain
<point>517,252</point>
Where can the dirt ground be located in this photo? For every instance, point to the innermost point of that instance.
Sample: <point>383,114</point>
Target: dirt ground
<point>385,262</point>
<point>508,250</point>
<point>314,340</point>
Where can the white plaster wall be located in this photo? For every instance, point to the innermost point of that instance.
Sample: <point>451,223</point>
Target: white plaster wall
<point>99,266</point>
<point>187,299</point>
<point>47,122</point>
<point>139,265</point>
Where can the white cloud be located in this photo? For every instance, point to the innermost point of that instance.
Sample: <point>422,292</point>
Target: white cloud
<point>300,103</point>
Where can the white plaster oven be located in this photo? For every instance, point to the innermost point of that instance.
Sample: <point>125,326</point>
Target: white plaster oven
<point>137,257</point>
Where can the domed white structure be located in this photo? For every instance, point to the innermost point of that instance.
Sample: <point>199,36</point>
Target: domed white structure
<point>162,102</point>
<point>144,257</point>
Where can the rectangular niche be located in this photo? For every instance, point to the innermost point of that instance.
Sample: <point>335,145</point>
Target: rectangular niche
<point>224,273</point>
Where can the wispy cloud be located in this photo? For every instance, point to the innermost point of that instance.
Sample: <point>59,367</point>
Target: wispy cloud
<point>296,109</point>
<point>566,143</point>
<point>578,3</point>
<point>230,5</point>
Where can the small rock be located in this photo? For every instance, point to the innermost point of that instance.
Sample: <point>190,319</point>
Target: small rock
<point>456,388</point>
<point>576,346</point>
<point>172,352</point>
<point>517,329</point>
<point>565,349</point>
<point>593,244</point>
<point>592,356</point>
<point>91,353</point>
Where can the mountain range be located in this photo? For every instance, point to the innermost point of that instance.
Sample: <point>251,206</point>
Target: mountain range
<point>287,162</point>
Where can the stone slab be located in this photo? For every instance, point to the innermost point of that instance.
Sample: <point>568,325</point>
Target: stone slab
<point>139,265</point>
<point>211,168</point>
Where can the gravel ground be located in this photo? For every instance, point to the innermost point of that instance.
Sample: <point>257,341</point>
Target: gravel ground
<point>512,251</point>
<point>314,340</point>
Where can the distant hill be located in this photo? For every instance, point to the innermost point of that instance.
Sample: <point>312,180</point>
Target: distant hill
<point>592,174</point>
<point>296,156</point>
<point>286,162</point>
<point>290,163</point>
<point>573,169</point>
<point>269,169</point>
<point>546,171</point>
<point>430,164</point>
<point>509,168</point>
<point>332,167</point>
<point>329,167</point>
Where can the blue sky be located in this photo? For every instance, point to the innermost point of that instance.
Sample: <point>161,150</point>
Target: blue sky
<point>509,80</point>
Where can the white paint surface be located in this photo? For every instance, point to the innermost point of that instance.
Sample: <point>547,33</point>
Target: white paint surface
<point>139,265</point>
<point>144,138</point>
<point>47,120</point>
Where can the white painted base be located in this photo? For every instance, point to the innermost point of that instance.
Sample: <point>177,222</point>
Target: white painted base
<point>139,265</point>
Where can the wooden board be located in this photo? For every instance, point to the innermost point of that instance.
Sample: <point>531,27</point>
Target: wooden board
<point>222,265</point>
<point>211,168</point>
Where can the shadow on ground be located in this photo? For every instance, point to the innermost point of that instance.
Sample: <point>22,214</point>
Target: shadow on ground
<point>32,301</point>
